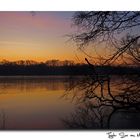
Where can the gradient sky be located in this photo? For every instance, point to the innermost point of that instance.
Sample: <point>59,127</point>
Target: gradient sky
<point>38,36</point>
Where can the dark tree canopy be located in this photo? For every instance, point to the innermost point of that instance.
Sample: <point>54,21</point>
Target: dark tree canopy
<point>118,29</point>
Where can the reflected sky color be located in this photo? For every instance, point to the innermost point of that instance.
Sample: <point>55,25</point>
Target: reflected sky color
<point>39,36</point>
<point>33,102</point>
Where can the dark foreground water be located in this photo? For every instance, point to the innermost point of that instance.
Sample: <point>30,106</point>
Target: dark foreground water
<point>36,102</point>
<point>28,102</point>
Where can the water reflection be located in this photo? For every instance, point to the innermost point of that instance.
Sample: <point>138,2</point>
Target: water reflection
<point>33,102</point>
<point>106,102</point>
<point>31,82</point>
<point>99,102</point>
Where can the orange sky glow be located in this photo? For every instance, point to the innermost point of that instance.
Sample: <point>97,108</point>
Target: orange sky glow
<point>38,36</point>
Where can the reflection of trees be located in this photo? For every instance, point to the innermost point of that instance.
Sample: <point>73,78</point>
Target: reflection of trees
<point>21,84</point>
<point>101,96</point>
<point>101,99</point>
<point>2,120</point>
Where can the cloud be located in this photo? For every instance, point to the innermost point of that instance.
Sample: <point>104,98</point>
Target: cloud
<point>18,43</point>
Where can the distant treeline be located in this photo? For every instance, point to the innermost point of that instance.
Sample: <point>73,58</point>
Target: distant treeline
<point>53,62</point>
<point>65,68</point>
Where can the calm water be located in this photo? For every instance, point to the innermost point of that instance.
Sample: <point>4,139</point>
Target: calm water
<point>28,102</point>
<point>35,102</point>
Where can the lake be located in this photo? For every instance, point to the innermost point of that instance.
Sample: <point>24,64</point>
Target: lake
<point>38,103</point>
<point>33,102</point>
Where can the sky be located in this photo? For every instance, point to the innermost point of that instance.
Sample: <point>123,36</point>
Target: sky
<point>38,36</point>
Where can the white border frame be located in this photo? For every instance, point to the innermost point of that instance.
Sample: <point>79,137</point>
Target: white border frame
<point>64,5</point>
<point>69,5</point>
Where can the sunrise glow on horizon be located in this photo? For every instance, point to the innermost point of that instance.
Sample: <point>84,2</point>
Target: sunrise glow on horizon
<point>38,36</point>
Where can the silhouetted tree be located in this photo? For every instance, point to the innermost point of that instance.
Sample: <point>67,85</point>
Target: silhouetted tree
<point>109,27</point>
<point>100,95</point>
